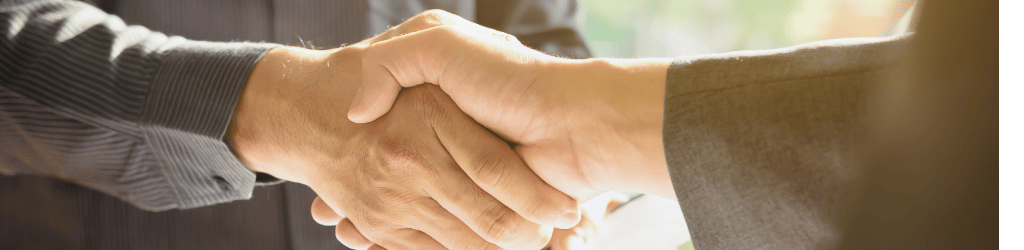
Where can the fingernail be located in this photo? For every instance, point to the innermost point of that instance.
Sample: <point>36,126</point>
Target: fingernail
<point>568,220</point>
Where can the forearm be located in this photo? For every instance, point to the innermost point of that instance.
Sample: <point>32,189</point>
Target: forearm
<point>619,119</point>
<point>774,135</point>
<point>116,107</point>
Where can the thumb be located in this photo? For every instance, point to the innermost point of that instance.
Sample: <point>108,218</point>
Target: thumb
<point>376,94</point>
<point>424,57</point>
<point>407,61</point>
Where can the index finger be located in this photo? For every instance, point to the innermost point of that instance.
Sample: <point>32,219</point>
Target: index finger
<point>499,171</point>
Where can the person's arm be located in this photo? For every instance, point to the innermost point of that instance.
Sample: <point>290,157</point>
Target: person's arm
<point>757,143</point>
<point>427,157</point>
<point>121,109</point>
<point>535,101</point>
<point>762,145</point>
<point>141,116</point>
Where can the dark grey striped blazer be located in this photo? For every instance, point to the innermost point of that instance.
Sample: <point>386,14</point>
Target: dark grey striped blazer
<point>108,103</point>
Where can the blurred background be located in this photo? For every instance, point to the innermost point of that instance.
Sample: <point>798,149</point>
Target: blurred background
<point>659,28</point>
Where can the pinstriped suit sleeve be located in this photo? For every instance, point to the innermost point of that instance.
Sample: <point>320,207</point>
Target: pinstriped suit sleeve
<point>121,109</point>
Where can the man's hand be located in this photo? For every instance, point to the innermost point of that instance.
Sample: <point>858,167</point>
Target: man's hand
<point>585,126</point>
<point>425,176</point>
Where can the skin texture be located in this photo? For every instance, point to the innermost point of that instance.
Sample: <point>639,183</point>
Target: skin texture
<point>594,212</point>
<point>425,176</point>
<point>584,126</point>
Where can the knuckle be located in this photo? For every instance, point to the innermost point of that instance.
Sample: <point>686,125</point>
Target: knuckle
<point>391,203</point>
<point>431,18</point>
<point>391,197</point>
<point>388,205</point>
<point>503,226</point>
<point>375,229</point>
<point>418,167</point>
<point>493,170</point>
<point>435,13</point>
<point>404,161</point>
<point>446,32</point>
<point>423,21</point>
<point>535,209</point>
<point>550,204</point>
<point>499,224</point>
<point>441,43</point>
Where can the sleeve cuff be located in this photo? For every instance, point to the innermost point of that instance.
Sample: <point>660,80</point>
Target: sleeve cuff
<point>194,92</point>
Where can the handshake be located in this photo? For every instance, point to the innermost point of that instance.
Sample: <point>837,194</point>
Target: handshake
<point>500,147</point>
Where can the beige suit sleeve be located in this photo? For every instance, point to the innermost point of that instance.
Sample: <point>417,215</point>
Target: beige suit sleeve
<point>761,144</point>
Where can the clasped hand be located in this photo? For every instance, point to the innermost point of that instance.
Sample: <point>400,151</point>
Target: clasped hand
<point>425,175</point>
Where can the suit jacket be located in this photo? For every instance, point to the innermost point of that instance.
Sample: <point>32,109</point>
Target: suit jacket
<point>865,143</point>
<point>877,143</point>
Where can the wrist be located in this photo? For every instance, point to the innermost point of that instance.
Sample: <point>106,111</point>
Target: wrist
<point>261,131</point>
<point>618,110</point>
